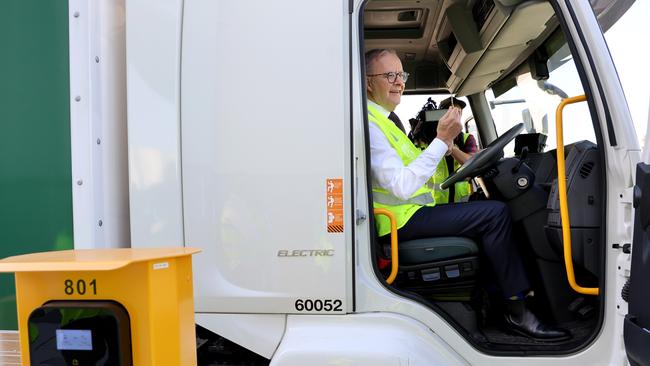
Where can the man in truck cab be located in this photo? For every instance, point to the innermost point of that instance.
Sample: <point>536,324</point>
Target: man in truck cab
<point>401,183</point>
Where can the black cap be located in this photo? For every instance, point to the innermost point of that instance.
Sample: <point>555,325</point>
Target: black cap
<point>446,103</point>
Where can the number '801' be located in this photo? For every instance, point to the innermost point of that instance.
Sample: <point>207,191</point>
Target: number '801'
<point>80,287</point>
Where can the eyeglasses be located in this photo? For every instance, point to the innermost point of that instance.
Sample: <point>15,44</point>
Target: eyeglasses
<point>392,76</point>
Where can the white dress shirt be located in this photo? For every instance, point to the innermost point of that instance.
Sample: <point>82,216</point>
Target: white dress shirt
<point>388,170</point>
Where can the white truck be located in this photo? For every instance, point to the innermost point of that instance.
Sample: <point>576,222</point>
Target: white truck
<point>246,129</point>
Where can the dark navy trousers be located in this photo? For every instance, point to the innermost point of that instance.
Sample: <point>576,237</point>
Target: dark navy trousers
<point>488,223</point>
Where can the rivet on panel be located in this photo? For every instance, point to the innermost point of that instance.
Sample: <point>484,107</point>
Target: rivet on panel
<point>77,98</point>
<point>80,182</point>
<point>100,223</point>
<point>97,59</point>
<point>99,141</point>
<point>76,14</point>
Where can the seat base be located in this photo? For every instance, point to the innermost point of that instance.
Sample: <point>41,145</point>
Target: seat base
<point>439,268</point>
<point>452,279</point>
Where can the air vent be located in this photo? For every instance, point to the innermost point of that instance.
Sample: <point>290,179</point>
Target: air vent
<point>408,16</point>
<point>394,23</point>
<point>586,169</point>
<point>393,18</point>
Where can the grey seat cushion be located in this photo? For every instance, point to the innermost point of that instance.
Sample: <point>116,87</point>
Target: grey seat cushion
<point>428,250</point>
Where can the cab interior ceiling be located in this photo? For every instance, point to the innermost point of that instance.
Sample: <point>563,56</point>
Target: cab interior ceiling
<point>459,47</point>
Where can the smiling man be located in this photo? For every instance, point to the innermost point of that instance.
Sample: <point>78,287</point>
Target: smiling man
<point>387,94</point>
<point>401,183</point>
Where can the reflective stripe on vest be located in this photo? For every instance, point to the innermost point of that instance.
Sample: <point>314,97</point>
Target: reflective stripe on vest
<point>390,200</point>
<point>462,189</point>
<point>402,209</point>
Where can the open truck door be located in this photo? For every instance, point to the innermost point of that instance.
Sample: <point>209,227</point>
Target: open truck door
<point>637,291</point>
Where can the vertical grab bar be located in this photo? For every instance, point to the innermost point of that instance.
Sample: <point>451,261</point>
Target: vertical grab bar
<point>564,206</point>
<point>393,243</point>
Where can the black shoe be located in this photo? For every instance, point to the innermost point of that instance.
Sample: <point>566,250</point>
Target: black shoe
<point>521,320</point>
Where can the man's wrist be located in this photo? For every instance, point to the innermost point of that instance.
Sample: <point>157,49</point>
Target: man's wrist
<point>447,142</point>
<point>437,147</point>
<point>450,146</point>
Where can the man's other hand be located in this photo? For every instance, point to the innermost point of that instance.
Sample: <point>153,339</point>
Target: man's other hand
<point>449,125</point>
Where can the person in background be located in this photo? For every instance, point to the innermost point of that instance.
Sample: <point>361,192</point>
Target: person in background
<point>463,148</point>
<point>423,132</point>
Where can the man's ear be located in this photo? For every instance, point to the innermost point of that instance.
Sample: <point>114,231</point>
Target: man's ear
<point>368,85</point>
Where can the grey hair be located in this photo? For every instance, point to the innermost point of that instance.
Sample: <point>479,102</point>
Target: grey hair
<point>374,54</point>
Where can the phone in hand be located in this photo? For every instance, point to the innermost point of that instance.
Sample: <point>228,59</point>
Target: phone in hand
<point>434,115</point>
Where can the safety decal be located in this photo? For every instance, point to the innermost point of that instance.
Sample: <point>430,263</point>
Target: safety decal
<point>334,205</point>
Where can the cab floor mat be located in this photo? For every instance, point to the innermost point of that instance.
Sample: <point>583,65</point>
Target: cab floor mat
<point>502,339</point>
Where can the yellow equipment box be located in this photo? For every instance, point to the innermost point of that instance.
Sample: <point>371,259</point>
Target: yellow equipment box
<point>119,306</point>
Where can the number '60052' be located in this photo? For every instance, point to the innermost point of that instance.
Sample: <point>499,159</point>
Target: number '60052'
<point>318,305</point>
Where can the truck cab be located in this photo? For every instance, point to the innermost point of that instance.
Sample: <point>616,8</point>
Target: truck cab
<point>274,185</point>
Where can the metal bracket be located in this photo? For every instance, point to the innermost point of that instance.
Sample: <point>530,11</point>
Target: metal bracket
<point>361,217</point>
<point>627,247</point>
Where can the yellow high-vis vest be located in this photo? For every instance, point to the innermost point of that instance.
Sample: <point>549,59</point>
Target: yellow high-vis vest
<point>403,210</point>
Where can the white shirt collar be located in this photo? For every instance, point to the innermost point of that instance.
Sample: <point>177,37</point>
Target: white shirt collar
<point>379,108</point>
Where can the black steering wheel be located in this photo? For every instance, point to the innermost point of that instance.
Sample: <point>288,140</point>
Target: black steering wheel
<point>484,159</point>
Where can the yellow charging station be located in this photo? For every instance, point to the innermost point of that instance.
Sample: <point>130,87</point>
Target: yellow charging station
<point>120,306</point>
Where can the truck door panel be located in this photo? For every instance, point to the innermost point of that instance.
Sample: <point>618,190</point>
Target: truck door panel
<point>263,129</point>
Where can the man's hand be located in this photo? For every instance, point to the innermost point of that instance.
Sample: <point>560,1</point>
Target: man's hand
<point>449,126</point>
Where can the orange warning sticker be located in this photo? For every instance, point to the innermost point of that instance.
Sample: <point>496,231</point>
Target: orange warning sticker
<point>334,204</point>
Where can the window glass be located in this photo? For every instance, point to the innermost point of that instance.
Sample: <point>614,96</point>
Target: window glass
<point>534,102</point>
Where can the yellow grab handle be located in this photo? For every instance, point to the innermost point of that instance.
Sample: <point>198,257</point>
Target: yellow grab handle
<point>393,243</point>
<point>564,206</point>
